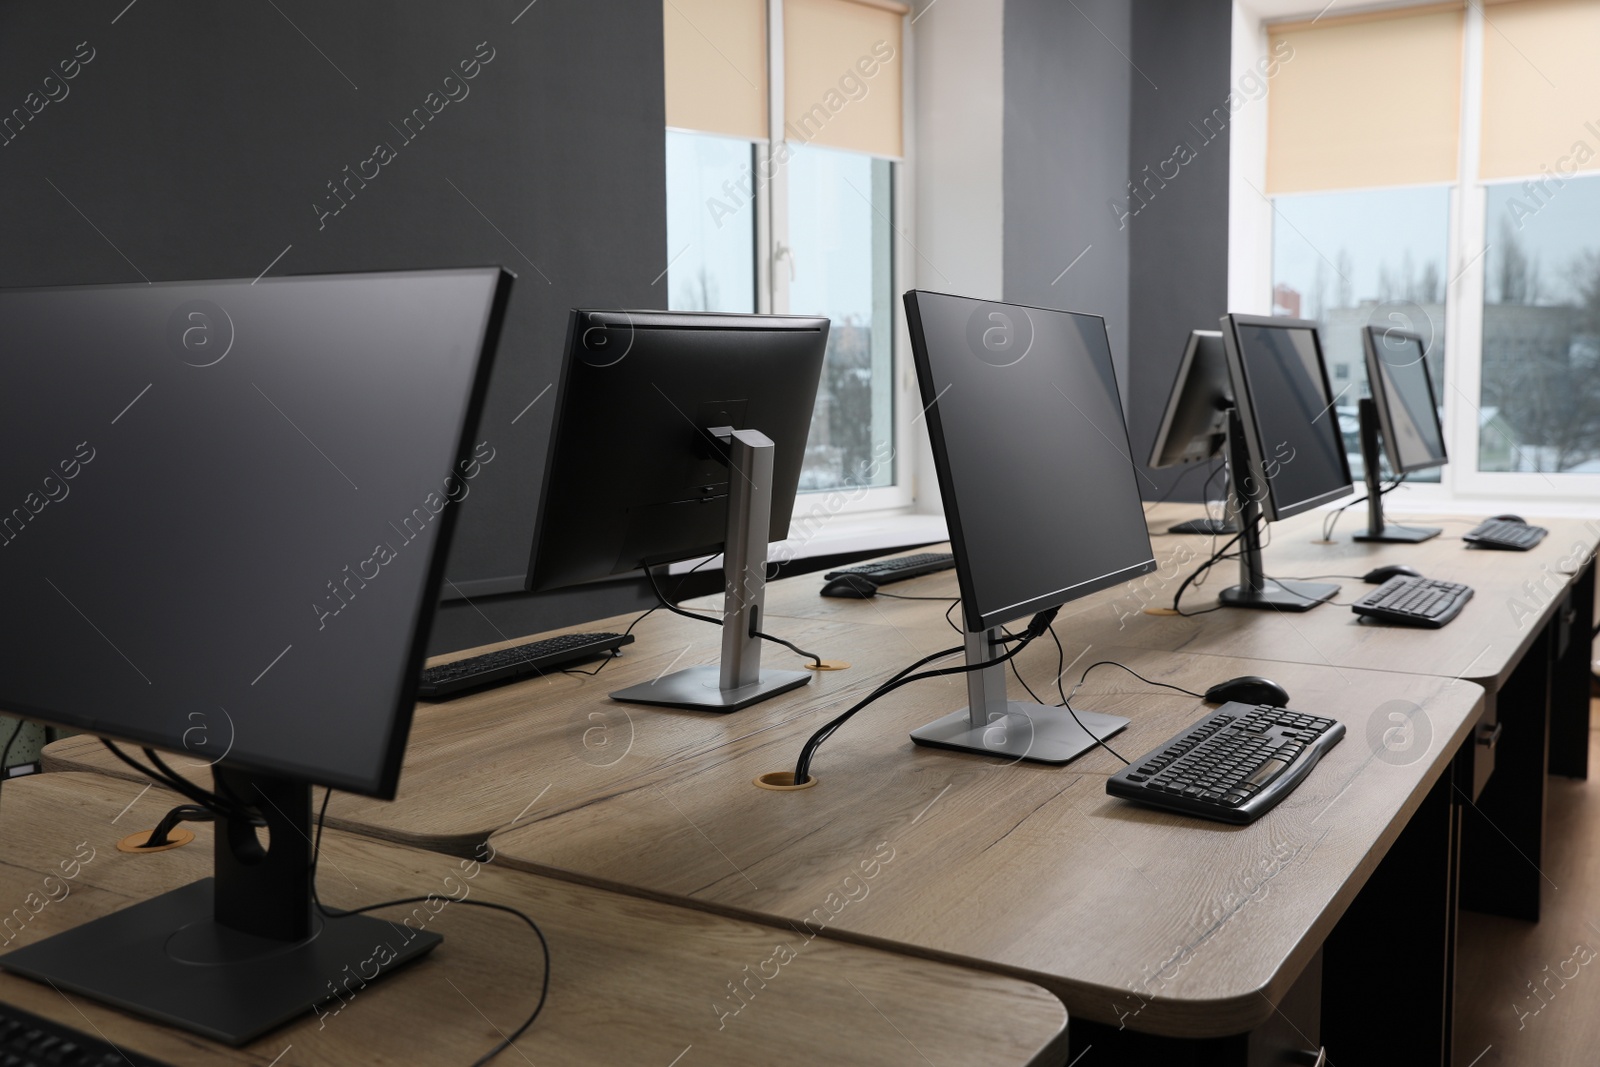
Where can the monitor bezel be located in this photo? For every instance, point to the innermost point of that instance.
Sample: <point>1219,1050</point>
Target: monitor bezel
<point>1175,398</point>
<point>977,621</point>
<point>387,782</point>
<point>1272,509</point>
<point>1378,379</point>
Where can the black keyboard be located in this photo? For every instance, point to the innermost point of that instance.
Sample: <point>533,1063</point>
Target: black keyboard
<point>28,1040</point>
<point>1414,601</point>
<point>509,664</point>
<point>900,568</point>
<point>1233,766</point>
<point>1498,533</point>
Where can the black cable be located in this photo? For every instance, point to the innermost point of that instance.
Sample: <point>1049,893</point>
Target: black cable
<point>208,800</point>
<point>544,987</point>
<point>1136,674</point>
<point>1037,626</point>
<point>670,606</point>
<point>1198,572</point>
<point>790,645</point>
<point>1332,521</point>
<point>903,596</point>
<point>947,618</point>
<point>1024,681</point>
<point>651,610</point>
<point>1061,658</point>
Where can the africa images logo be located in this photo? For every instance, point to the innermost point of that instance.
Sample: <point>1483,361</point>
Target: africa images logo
<point>999,334</point>
<point>200,333</point>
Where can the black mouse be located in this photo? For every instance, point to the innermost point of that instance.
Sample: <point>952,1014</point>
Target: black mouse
<point>1508,518</point>
<point>1249,689</point>
<point>857,586</point>
<point>1379,575</point>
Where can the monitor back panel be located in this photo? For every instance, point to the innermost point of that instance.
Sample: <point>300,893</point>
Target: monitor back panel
<point>633,474</point>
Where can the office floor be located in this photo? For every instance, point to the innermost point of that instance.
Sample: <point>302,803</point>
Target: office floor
<point>1528,995</point>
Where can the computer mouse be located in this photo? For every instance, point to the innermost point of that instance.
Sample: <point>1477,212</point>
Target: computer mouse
<point>1508,518</point>
<point>1379,575</point>
<point>858,586</point>
<point>1249,689</point>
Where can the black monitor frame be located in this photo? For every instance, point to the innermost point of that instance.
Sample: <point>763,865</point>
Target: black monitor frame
<point>1253,499</point>
<point>234,956</point>
<point>1378,436</point>
<point>1197,409</point>
<point>1273,509</point>
<point>992,724</point>
<point>656,411</point>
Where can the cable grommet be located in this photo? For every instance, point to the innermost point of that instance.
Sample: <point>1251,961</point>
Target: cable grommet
<point>782,781</point>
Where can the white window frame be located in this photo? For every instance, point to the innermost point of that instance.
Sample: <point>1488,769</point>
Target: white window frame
<point>773,261</point>
<point>1250,271</point>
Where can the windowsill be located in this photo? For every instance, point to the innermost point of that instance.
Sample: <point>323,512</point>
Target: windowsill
<point>886,530</point>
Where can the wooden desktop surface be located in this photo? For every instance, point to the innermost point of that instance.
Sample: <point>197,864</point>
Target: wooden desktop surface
<point>1515,594</point>
<point>1026,869</point>
<point>633,981</point>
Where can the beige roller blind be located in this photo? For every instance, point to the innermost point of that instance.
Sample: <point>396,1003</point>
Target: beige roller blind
<point>1365,100</point>
<point>716,60</point>
<point>841,77</point>
<point>1541,88</point>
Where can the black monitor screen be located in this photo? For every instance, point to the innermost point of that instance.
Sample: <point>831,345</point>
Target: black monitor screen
<point>223,508</point>
<point>1412,434</point>
<point>1296,425</point>
<point>1039,485</point>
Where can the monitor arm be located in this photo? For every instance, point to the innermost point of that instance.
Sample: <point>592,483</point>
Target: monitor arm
<point>738,681</point>
<point>1371,451</point>
<point>1255,589</point>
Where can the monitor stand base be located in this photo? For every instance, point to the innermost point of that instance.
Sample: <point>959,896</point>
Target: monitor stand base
<point>1026,731</point>
<point>700,689</point>
<point>1281,595</point>
<point>1204,526</point>
<point>166,959</point>
<point>1408,535</point>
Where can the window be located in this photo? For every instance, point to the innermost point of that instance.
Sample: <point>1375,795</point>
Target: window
<point>1437,165</point>
<point>1541,329</point>
<point>1357,259</point>
<point>802,220</point>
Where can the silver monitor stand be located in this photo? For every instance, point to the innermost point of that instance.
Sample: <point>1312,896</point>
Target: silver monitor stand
<point>992,725</point>
<point>738,681</point>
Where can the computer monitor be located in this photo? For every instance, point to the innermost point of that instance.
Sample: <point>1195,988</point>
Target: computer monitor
<point>1040,494</point>
<point>676,435</point>
<point>1287,453</point>
<point>226,509</point>
<point>1404,413</point>
<point>1194,424</point>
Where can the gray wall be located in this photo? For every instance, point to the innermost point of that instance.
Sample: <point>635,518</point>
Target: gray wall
<point>200,139</point>
<point>1066,149</point>
<point>1178,238</point>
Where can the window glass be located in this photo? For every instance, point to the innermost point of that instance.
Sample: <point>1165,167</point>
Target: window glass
<point>1541,328</point>
<point>711,223</point>
<point>1353,259</point>
<point>838,264</point>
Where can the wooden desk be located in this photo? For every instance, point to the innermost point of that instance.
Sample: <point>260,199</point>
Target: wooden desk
<point>633,981</point>
<point>1032,870</point>
<point>1523,637</point>
<point>1024,870</point>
